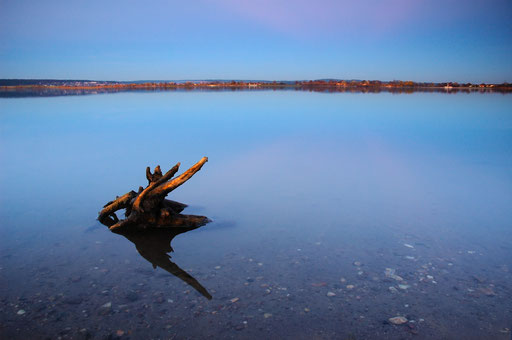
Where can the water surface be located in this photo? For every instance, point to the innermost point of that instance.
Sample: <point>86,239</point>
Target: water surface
<point>321,203</point>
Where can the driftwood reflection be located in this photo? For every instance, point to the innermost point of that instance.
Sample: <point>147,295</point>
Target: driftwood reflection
<point>154,245</point>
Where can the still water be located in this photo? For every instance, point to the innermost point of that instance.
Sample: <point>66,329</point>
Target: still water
<point>332,213</point>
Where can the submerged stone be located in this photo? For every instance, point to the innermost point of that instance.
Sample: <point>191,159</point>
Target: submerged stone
<point>397,320</point>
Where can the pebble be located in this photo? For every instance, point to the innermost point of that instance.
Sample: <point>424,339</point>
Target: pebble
<point>73,300</point>
<point>131,296</point>
<point>403,286</point>
<point>75,278</point>
<point>217,267</point>
<point>397,320</point>
<point>350,286</point>
<point>107,305</point>
<point>357,263</point>
<point>331,294</point>
<point>393,290</point>
<point>267,315</point>
<point>343,280</point>
<point>408,245</point>
<point>307,310</point>
<point>120,332</point>
<point>234,300</point>
<point>487,291</point>
<point>389,272</point>
<point>21,312</point>
<point>410,257</point>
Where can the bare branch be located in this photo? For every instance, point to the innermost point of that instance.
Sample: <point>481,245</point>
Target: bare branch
<point>168,175</point>
<point>119,203</point>
<point>176,182</point>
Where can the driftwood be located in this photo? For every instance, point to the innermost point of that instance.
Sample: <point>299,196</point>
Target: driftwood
<point>148,208</point>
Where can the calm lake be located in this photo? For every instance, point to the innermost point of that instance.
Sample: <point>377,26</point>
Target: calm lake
<point>332,213</point>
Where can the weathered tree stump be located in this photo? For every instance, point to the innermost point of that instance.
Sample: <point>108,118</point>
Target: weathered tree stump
<point>148,207</point>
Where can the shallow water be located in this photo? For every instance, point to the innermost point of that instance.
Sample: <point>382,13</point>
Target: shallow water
<point>313,196</point>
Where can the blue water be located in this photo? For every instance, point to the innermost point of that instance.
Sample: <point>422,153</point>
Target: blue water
<point>311,194</point>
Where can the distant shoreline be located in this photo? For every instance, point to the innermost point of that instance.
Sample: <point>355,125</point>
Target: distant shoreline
<point>340,85</point>
<point>365,86</point>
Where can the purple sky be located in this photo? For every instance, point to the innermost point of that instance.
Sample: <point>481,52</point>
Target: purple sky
<point>419,40</point>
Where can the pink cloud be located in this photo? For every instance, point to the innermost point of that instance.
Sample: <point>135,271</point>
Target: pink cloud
<point>308,18</point>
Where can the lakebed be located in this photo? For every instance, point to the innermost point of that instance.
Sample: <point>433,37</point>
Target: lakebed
<point>333,214</point>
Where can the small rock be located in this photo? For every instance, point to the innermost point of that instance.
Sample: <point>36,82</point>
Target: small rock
<point>217,267</point>
<point>234,300</point>
<point>397,320</point>
<point>132,296</point>
<point>408,245</point>
<point>342,280</point>
<point>73,300</point>
<point>478,279</point>
<point>307,310</point>
<point>21,312</point>
<point>396,277</point>
<point>410,257</point>
<point>350,286</point>
<point>412,328</point>
<point>267,315</point>
<point>389,272</point>
<point>330,294</point>
<point>404,287</point>
<point>393,290</point>
<point>107,305</point>
<point>357,263</point>
<point>487,291</point>
<point>75,278</point>
<point>120,332</point>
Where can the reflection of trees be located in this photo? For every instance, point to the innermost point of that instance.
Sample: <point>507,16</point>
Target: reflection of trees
<point>396,87</point>
<point>155,244</point>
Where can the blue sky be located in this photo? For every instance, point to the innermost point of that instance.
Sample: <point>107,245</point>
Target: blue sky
<point>420,40</point>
